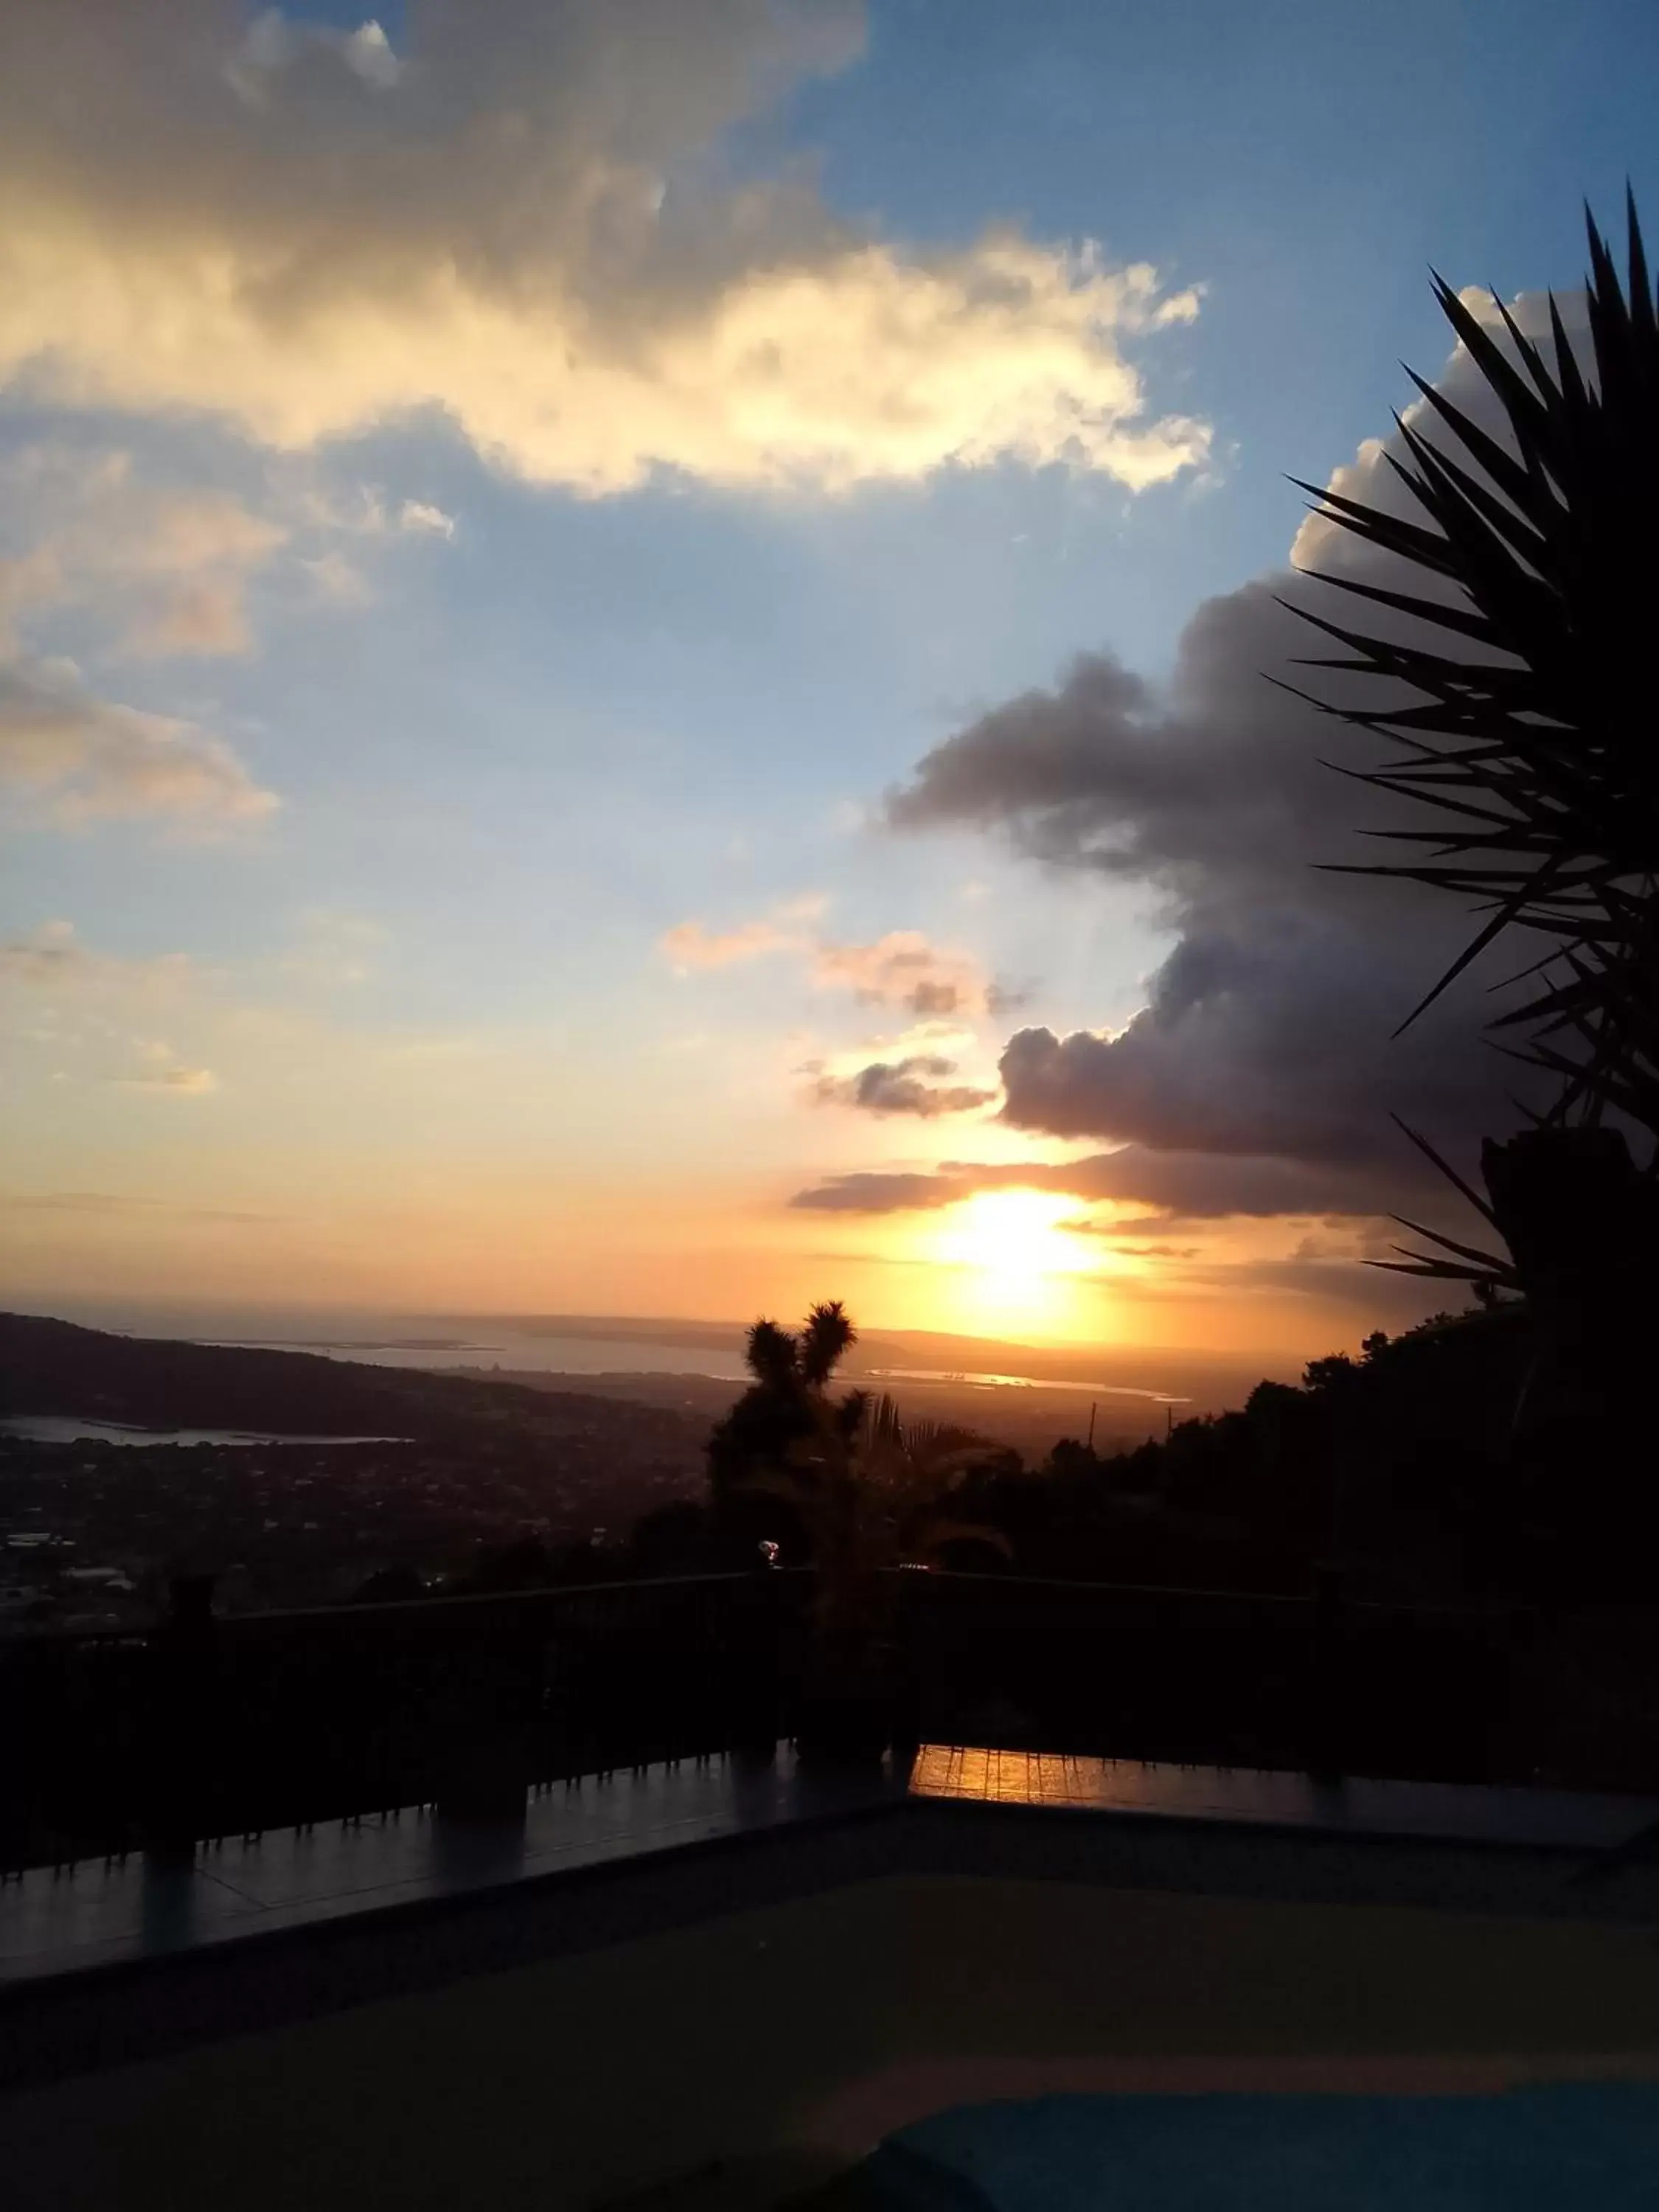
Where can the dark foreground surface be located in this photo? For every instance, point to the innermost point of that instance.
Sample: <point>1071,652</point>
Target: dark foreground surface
<point>715,1987</point>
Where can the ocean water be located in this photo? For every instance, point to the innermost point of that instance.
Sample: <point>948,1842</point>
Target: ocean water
<point>419,1340</point>
<point>438,1341</point>
<point>66,1429</point>
<point>508,1348</point>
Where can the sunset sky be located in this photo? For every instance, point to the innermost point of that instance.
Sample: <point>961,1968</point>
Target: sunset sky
<point>634,634</point>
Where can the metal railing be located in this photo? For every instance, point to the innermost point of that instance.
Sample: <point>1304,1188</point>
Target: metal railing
<point>1317,1681</point>
<point>209,1728</point>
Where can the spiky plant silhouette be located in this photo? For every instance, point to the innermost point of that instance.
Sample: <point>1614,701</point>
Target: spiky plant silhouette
<point>1520,677</point>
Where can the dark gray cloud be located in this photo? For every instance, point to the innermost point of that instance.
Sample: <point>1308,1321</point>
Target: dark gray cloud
<point>1377,1299</point>
<point>877,1193</point>
<point>1289,1298</point>
<point>1129,1251</point>
<point>917,1086</point>
<point>1188,789</point>
<point>1267,1032</point>
<point>1190,1186</point>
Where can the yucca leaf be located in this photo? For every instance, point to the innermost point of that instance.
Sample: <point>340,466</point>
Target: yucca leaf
<point>1518,531</point>
<point>1537,762</point>
<point>1445,1168</point>
<point>1526,489</point>
<point>1463,621</point>
<point>1644,321</point>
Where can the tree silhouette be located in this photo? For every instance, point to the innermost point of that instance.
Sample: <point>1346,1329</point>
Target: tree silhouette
<point>1515,677</point>
<point>784,1410</point>
<point>869,1493</point>
<point>828,1336</point>
<point>772,1357</point>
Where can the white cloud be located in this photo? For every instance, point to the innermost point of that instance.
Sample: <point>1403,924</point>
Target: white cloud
<point>273,46</point>
<point>422,519</point>
<point>174,1082</point>
<point>68,760</point>
<point>298,231</point>
<point>339,580</point>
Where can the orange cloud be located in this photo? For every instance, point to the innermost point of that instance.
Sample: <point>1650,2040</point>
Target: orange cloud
<point>905,970</point>
<point>690,946</point>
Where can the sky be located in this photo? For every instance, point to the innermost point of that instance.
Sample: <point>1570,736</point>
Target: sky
<point>634,641</point>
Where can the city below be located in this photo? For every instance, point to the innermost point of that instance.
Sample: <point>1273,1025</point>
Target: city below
<point>403,1465</point>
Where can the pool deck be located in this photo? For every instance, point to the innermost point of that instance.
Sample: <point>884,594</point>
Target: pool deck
<point>126,1910</point>
<point>102,1956</point>
<point>1550,1820</point>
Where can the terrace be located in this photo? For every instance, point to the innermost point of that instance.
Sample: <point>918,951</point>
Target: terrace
<point>527,1900</point>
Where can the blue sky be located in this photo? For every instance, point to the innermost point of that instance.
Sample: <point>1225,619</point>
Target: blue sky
<point>521,727</point>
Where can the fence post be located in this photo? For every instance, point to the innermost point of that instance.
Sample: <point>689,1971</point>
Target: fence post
<point>1329,1687</point>
<point>183,1685</point>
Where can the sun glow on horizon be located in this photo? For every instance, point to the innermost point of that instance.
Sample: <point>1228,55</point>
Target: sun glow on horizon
<point>1015,1269</point>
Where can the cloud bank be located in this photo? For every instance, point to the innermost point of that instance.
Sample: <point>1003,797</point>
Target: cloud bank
<point>1263,1053</point>
<point>1189,1186</point>
<point>304,232</point>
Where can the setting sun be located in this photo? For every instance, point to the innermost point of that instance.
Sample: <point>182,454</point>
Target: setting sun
<point>1019,1269</point>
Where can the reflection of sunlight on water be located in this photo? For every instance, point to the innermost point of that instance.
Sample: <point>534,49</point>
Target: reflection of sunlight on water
<point>980,1382</point>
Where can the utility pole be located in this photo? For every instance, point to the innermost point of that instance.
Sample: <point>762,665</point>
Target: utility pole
<point>1091,1426</point>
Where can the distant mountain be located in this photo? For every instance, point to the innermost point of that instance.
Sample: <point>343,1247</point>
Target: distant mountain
<point>55,1367</point>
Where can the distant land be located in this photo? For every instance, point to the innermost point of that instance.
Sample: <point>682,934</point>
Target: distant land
<point>1024,1395</point>
<point>292,1478</point>
<point>417,1447</point>
<point>56,1368</point>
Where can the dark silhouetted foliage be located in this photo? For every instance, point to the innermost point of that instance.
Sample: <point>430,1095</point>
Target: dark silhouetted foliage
<point>1525,721</point>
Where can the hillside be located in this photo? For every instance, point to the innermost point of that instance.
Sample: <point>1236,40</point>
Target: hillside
<point>55,1367</point>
